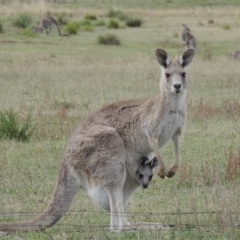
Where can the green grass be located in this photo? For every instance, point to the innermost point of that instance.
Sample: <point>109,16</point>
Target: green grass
<point>67,78</point>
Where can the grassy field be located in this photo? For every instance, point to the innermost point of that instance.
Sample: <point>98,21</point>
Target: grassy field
<point>63,79</point>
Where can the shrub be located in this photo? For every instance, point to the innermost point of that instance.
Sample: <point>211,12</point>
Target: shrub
<point>90,17</point>
<point>117,14</point>
<point>27,32</point>
<point>113,23</point>
<point>87,28</point>
<point>108,39</point>
<point>134,22</point>
<point>100,23</point>
<point>61,19</point>
<point>72,27</point>
<point>86,25</point>
<point>12,128</point>
<point>226,26</point>
<point>23,21</point>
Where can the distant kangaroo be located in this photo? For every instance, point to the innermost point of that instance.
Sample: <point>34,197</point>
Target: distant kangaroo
<point>102,154</point>
<point>47,23</point>
<point>188,38</point>
<point>235,55</point>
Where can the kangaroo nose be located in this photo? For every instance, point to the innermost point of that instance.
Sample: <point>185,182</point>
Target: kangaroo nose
<point>144,185</point>
<point>177,86</point>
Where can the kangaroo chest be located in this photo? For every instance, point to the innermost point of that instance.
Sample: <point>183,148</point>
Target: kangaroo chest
<point>170,123</point>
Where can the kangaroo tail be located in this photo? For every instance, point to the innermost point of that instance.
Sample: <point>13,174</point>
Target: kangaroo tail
<point>58,28</point>
<point>65,189</point>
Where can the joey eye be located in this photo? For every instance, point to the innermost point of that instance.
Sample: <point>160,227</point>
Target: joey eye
<point>141,175</point>
<point>167,75</point>
<point>183,74</point>
<point>150,178</point>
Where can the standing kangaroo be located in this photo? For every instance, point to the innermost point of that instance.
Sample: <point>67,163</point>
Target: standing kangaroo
<point>47,23</point>
<point>101,154</point>
<point>188,38</point>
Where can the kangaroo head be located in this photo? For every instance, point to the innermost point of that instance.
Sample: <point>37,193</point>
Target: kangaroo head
<point>186,28</point>
<point>145,170</point>
<point>174,73</point>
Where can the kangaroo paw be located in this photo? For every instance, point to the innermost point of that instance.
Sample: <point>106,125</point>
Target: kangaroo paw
<point>162,173</point>
<point>171,172</point>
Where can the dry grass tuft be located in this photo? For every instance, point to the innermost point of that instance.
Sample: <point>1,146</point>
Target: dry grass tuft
<point>203,110</point>
<point>233,166</point>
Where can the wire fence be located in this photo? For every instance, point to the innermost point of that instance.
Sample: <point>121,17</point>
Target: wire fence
<point>95,225</point>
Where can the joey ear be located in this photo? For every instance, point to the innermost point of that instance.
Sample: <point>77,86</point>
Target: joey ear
<point>162,58</point>
<point>143,160</point>
<point>154,163</point>
<point>186,57</point>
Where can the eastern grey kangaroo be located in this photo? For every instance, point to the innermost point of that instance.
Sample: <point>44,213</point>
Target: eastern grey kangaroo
<point>47,23</point>
<point>188,38</point>
<point>235,55</point>
<point>102,154</point>
<point>144,172</point>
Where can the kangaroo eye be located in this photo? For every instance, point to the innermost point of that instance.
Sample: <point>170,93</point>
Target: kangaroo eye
<point>167,75</point>
<point>141,175</point>
<point>183,74</point>
<point>150,178</point>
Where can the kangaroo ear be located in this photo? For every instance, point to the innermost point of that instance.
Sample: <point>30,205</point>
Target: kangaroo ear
<point>154,163</point>
<point>162,58</point>
<point>186,58</point>
<point>143,160</point>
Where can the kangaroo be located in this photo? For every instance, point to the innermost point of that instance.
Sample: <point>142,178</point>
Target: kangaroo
<point>235,55</point>
<point>47,23</point>
<point>188,38</point>
<point>101,155</point>
<point>144,172</point>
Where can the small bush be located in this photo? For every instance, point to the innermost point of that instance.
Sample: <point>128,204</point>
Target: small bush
<point>23,21</point>
<point>72,27</point>
<point>113,23</point>
<point>108,39</point>
<point>90,17</point>
<point>210,21</point>
<point>100,23</point>
<point>61,19</point>
<point>226,26</point>
<point>134,22</point>
<point>12,128</point>
<point>117,14</point>
<point>28,32</point>
<point>86,25</point>
<point>87,28</point>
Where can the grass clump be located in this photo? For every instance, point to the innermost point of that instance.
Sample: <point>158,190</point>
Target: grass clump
<point>226,26</point>
<point>134,22</point>
<point>108,39</point>
<point>87,28</point>
<point>100,23</point>
<point>22,21</point>
<point>72,27</point>
<point>117,14</point>
<point>61,19</point>
<point>86,25</point>
<point>113,23</point>
<point>90,17</point>
<point>11,126</point>
<point>27,32</point>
